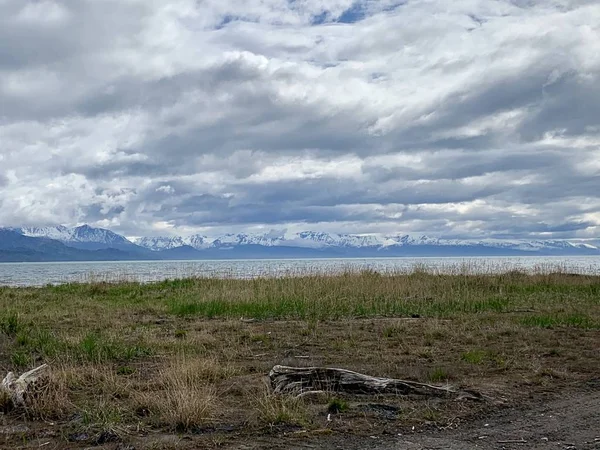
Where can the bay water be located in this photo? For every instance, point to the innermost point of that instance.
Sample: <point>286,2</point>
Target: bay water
<point>39,274</point>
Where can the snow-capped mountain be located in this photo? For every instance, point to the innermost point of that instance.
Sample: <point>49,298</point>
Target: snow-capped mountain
<point>324,241</point>
<point>307,239</point>
<point>160,243</point>
<point>59,233</point>
<point>198,241</point>
<point>84,236</point>
<point>320,239</point>
<point>311,244</point>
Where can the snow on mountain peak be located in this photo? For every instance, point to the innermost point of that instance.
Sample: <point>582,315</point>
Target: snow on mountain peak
<point>59,233</point>
<point>86,236</point>
<point>81,234</point>
<point>160,243</point>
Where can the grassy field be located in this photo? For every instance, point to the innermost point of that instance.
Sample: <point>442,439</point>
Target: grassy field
<point>175,363</point>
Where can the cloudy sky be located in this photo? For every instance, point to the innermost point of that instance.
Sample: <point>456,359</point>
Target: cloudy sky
<point>462,118</point>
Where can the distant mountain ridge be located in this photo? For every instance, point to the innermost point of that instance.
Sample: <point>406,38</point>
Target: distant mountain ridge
<point>16,247</point>
<point>322,240</point>
<point>84,236</point>
<point>85,242</point>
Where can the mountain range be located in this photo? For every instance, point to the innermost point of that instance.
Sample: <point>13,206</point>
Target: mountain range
<point>86,243</point>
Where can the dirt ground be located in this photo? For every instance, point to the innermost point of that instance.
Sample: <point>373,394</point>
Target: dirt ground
<point>568,419</point>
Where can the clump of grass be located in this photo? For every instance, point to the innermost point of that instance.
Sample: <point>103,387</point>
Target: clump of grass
<point>430,414</point>
<point>99,381</point>
<point>185,406</point>
<point>438,374</point>
<point>201,370</point>
<point>306,332</point>
<point>50,398</point>
<point>180,334</point>
<point>104,414</point>
<point>474,356</point>
<point>280,409</point>
<point>11,324</point>
<point>20,359</point>
<point>125,370</point>
<point>337,405</point>
<point>45,343</point>
<point>91,347</point>
<point>23,339</point>
<point>95,348</point>
<point>393,331</point>
<point>185,400</point>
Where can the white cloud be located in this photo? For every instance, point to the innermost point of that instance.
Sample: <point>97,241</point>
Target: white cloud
<point>471,117</point>
<point>43,13</point>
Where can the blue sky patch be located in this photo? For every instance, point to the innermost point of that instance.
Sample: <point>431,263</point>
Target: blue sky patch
<point>354,14</point>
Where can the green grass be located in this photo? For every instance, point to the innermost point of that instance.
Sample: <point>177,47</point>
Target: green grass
<point>33,343</point>
<point>125,370</point>
<point>20,359</point>
<point>95,348</point>
<point>281,409</point>
<point>337,405</point>
<point>10,323</point>
<point>438,375</point>
<point>487,356</point>
<point>475,356</point>
<point>365,294</point>
<point>293,306</point>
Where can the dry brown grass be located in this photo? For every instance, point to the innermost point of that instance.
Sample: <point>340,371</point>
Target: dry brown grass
<point>183,396</point>
<point>181,406</point>
<point>50,399</point>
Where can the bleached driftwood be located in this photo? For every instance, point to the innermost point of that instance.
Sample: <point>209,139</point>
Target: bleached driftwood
<point>17,388</point>
<point>299,380</point>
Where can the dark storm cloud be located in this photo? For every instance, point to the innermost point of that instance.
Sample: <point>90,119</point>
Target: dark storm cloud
<point>332,192</point>
<point>560,186</point>
<point>571,104</point>
<point>253,214</point>
<point>464,164</point>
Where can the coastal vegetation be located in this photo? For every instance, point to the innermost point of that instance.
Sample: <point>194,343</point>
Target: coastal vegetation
<point>132,362</point>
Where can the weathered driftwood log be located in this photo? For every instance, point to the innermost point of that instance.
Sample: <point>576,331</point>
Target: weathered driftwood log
<point>299,380</point>
<point>17,388</point>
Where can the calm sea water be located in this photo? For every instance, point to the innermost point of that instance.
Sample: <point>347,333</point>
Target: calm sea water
<point>38,274</point>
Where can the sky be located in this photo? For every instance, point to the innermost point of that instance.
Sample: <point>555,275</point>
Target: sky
<point>457,119</point>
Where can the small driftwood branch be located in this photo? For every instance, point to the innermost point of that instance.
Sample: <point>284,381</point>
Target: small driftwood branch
<point>248,320</point>
<point>298,380</point>
<point>17,388</point>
